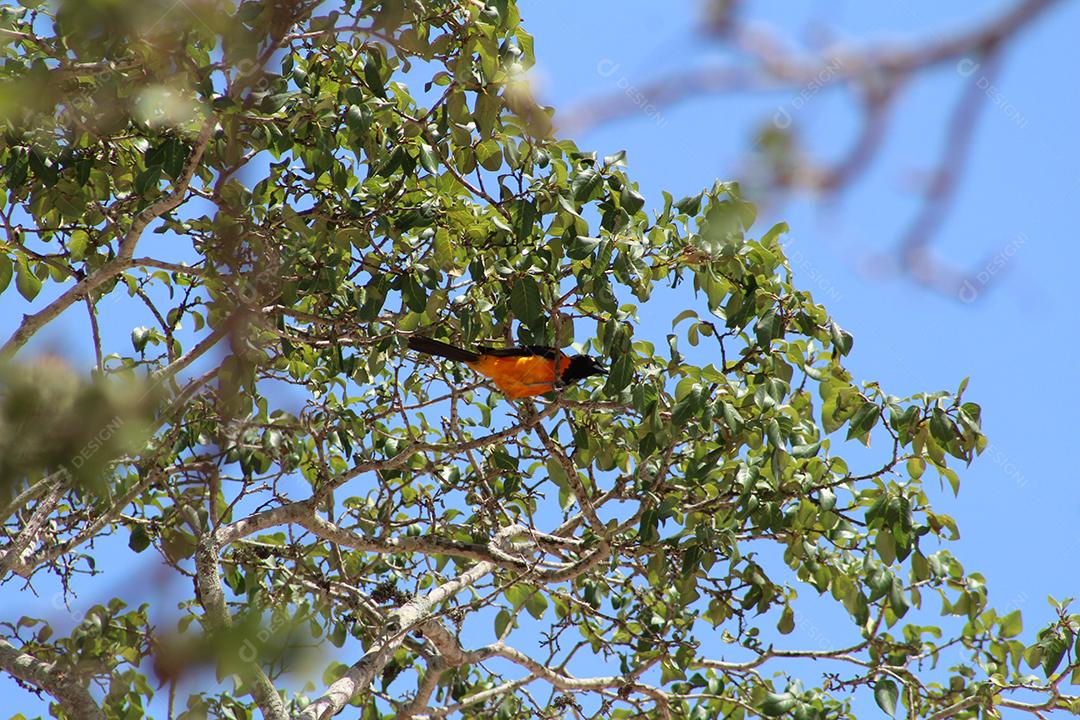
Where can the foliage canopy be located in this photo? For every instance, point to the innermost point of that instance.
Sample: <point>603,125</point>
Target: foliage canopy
<point>286,192</point>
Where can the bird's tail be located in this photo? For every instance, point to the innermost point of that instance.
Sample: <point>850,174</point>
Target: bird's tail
<point>428,346</point>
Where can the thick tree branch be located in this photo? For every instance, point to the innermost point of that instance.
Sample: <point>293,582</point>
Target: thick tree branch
<point>569,683</point>
<point>68,690</point>
<point>212,598</point>
<point>358,677</point>
<point>30,533</point>
<point>28,565</point>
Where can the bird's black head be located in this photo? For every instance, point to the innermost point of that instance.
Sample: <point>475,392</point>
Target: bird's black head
<point>581,367</point>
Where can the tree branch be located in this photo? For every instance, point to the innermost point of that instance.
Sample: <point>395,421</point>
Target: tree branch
<point>67,689</point>
<point>13,556</point>
<point>358,677</point>
<point>212,598</point>
<point>124,260</point>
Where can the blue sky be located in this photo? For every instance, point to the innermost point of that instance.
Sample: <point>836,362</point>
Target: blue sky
<point>1017,342</point>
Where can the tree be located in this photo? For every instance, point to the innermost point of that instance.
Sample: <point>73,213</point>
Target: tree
<point>362,526</point>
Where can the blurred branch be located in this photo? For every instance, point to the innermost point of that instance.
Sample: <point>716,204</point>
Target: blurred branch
<point>782,65</point>
<point>779,67</point>
<point>873,74</point>
<point>939,193</point>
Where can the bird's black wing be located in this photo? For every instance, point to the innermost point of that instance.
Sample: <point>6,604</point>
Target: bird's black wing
<point>523,351</point>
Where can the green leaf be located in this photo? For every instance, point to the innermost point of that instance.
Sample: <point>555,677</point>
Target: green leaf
<point>139,540</point>
<point>414,294</point>
<point>524,219</point>
<point>147,180</point>
<point>886,546</point>
<point>1053,651</point>
<point>393,163</point>
<point>443,249</point>
<point>772,236</point>
<point>841,339</point>
<point>537,604</point>
<point>428,160</point>
<point>27,282</point>
<point>336,636</point>
<point>489,155</point>
<point>620,374</point>
<point>373,72</point>
<point>525,300</point>
<point>1012,624</point>
<point>582,247</point>
<point>647,526</point>
<point>691,559</point>
<point>631,200</point>
<point>941,428</point>
<point>77,245</point>
<point>732,418</point>
<point>880,582</point>
<point>863,421</point>
<point>615,158</point>
<point>518,593</point>
<point>768,328</point>
<point>886,694</point>
<point>502,621</point>
<point>169,155</point>
<point>683,316</point>
<point>787,621</point>
<point>691,204</point>
<point>776,704</point>
<point>357,120</point>
<point>44,168</point>
<point>486,114</point>
<point>585,184</point>
<point>898,601</point>
<point>687,407</point>
<point>139,337</point>
<point>6,271</point>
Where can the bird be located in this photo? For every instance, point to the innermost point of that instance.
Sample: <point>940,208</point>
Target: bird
<point>518,372</point>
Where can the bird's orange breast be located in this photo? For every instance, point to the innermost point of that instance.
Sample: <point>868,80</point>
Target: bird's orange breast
<point>521,377</point>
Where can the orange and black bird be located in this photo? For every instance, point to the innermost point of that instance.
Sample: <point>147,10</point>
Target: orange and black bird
<point>519,372</point>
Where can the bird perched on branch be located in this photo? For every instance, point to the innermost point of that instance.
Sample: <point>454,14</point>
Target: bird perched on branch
<point>519,372</point>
